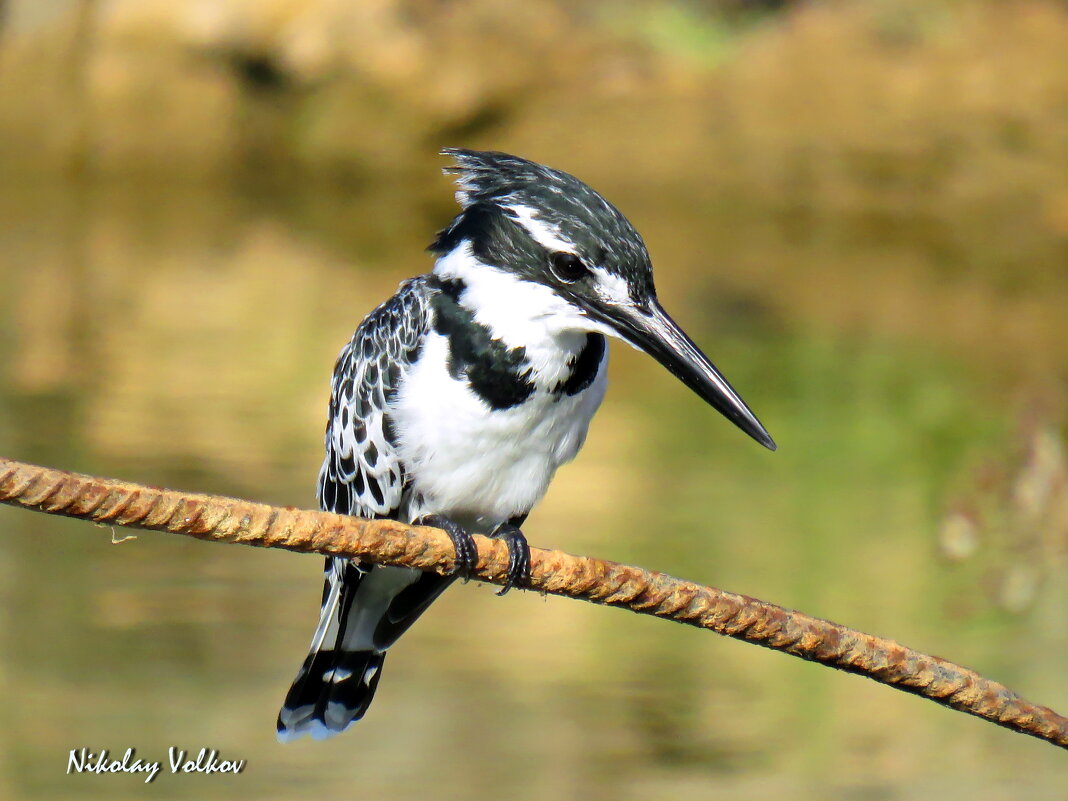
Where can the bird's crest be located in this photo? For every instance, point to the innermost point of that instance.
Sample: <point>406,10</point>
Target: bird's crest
<point>557,209</point>
<point>486,175</point>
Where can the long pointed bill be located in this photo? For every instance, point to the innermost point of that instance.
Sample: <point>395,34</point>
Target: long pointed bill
<point>660,337</point>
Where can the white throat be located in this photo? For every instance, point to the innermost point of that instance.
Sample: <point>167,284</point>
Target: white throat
<point>519,313</point>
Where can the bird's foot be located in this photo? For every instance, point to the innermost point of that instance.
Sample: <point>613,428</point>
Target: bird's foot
<point>462,543</point>
<point>518,556</point>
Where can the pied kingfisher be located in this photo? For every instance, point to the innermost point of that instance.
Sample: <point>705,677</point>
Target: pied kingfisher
<point>459,397</point>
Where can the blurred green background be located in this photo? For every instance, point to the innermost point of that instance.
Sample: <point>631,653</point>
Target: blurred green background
<point>859,209</point>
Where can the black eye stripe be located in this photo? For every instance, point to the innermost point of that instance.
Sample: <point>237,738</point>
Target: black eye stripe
<point>567,267</point>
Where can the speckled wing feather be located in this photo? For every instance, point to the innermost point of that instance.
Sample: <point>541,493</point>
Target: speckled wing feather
<point>362,474</point>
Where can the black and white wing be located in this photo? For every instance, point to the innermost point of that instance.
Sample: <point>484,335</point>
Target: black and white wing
<point>361,475</point>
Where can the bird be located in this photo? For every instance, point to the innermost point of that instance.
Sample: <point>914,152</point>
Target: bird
<point>457,399</point>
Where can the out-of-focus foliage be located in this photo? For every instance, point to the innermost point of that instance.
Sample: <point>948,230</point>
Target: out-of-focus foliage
<point>949,119</point>
<point>889,105</point>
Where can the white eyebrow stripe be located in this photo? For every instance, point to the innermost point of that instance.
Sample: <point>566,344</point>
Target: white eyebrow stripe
<point>546,235</point>
<point>611,287</point>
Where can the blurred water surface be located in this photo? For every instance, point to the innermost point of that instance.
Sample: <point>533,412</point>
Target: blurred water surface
<point>186,337</point>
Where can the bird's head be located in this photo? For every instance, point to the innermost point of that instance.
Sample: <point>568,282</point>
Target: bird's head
<point>550,231</point>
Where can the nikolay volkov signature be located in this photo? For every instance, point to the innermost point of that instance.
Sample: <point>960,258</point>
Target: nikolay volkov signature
<point>207,761</point>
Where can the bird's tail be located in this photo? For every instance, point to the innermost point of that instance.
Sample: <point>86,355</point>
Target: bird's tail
<point>337,681</point>
<point>365,609</point>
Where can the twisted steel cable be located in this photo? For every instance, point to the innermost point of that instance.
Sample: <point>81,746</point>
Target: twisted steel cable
<point>388,542</point>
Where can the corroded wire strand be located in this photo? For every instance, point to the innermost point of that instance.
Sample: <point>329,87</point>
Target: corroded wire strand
<point>388,542</point>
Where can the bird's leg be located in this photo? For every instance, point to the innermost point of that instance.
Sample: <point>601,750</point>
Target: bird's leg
<point>518,556</point>
<point>462,543</point>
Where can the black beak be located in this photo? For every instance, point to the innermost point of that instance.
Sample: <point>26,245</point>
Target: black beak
<point>652,331</point>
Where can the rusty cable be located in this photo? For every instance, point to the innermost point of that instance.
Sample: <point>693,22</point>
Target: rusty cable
<point>388,542</point>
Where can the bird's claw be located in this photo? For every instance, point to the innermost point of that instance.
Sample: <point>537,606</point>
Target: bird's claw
<point>462,542</point>
<point>518,556</point>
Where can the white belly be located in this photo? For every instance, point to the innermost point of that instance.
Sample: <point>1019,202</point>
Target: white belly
<point>468,461</point>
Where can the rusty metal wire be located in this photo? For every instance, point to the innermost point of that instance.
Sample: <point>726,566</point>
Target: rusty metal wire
<point>221,519</point>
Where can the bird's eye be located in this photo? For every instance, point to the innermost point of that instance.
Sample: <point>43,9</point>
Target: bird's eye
<point>567,267</point>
